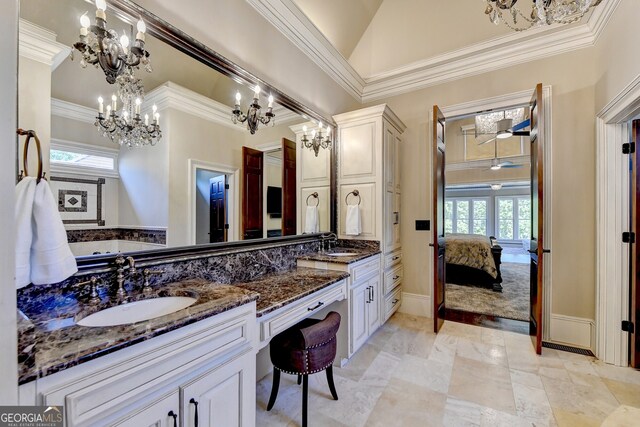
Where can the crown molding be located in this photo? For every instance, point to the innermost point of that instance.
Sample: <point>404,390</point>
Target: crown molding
<point>287,17</point>
<point>377,110</point>
<point>69,110</point>
<point>491,55</point>
<point>39,44</point>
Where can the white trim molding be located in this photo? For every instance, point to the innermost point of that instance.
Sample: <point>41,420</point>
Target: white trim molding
<point>416,305</point>
<point>39,44</point>
<point>69,110</point>
<point>575,331</point>
<point>233,197</point>
<point>612,218</point>
<point>517,99</point>
<point>496,53</point>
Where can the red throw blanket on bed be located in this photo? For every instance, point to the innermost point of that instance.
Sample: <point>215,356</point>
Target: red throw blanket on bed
<point>471,250</point>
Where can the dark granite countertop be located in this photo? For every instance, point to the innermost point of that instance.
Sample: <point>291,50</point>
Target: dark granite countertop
<point>279,289</point>
<point>358,255</point>
<point>60,343</point>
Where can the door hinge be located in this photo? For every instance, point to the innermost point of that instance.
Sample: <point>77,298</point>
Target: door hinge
<point>226,226</point>
<point>226,186</point>
<point>628,237</point>
<point>628,147</point>
<point>627,326</point>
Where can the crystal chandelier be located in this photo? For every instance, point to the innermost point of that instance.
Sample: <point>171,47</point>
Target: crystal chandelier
<point>317,141</point>
<point>102,47</point>
<point>253,116</point>
<point>543,12</point>
<point>128,128</point>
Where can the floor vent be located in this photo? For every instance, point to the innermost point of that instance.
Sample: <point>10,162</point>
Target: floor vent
<point>562,347</point>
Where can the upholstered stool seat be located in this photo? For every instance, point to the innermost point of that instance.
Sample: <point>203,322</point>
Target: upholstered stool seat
<point>305,348</point>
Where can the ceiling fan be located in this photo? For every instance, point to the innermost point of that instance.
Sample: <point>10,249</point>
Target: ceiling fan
<point>499,124</point>
<point>496,164</point>
<point>506,129</point>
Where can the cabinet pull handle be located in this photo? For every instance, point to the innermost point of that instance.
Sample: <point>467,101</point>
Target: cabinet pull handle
<point>372,294</point>
<point>175,418</point>
<point>396,277</point>
<point>395,258</point>
<point>395,301</point>
<point>320,304</point>
<point>195,419</point>
<point>368,295</point>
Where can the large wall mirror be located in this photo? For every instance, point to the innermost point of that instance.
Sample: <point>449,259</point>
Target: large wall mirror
<point>205,179</point>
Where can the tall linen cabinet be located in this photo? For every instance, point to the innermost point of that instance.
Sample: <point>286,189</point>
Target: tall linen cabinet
<point>368,163</point>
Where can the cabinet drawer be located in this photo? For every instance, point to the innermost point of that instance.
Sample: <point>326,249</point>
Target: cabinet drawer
<point>392,278</point>
<point>366,268</point>
<point>293,313</point>
<point>392,303</point>
<point>392,259</point>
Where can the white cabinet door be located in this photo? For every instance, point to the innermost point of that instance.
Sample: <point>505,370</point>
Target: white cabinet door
<point>396,159</point>
<point>224,396</point>
<point>358,322</point>
<point>374,306</point>
<point>154,414</point>
<point>389,221</point>
<point>396,243</point>
<point>389,158</point>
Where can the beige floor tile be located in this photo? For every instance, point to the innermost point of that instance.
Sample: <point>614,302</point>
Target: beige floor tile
<point>592,401</point>
<point>482,383</point>
<point>461,413</point>
<point>626,375</point>
<point>359,363</point>
<point>492,336</point>
<point>570,419</point>
<point>532,404</point>
<point>422,344</point>
<point>482,352</point>
<point>444,349</point>
<point>380,370</point>
<point>526,378</point>
<point>625,393</point>
<point>430,374</point>
<point>624,416</point>
<point>406,404</point>
<point>555,373</point>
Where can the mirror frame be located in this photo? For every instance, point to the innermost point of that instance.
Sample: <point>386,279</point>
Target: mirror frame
<point>130,12</point>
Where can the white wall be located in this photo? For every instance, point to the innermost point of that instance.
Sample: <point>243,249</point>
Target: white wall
<point>272,178</point>
<point>8,120</point>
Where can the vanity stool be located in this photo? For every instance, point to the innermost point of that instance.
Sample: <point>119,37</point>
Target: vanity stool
<point>305,348</point>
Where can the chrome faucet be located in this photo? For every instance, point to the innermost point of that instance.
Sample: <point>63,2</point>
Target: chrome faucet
<point>95,298</point>
<point>146,273</point>
<point>327,240</point>
<point>120,262</point>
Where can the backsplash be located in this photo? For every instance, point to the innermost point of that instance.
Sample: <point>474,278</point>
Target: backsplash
<point>359,244</point>
<point>146,235</point>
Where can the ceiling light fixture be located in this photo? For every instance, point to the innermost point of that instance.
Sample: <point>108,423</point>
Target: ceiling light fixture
<point>317,140</point>
<point>253,116</point>
<point>128,128</point>
<point>487,124</point>
<point>543,12</point>
<point>503,128</point>
<point>103,47</point>
<point>495,164</point>
<point>496,187</point>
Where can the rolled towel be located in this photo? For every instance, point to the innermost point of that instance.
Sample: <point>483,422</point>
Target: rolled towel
<point>312,220</point>
<point>25,193</point>
<point>51,258</point>
<point>354,222</point>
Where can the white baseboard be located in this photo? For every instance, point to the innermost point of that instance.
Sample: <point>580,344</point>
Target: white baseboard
<point>416,305</point>
<point>575,331</point>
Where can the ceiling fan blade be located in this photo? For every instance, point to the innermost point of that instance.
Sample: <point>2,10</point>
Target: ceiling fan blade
<point>511,166</point>
<point>487,141</point>
<point>521,125</point>
<point>505,163</point>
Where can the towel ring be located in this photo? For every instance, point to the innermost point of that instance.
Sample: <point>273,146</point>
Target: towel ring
<point>355,193</point>
<point>314,194</point>
<point>31,134</point>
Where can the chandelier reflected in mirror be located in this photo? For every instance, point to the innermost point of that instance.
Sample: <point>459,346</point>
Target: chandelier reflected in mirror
<point>128,127</point>
<point>517,15</point>
<point>253,117</point>
<point>317,141</point>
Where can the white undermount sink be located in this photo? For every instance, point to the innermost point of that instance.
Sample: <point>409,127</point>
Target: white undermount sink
<point>341,254</point>
<point>136,311</point>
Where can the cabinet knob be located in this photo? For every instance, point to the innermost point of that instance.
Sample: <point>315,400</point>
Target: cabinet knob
<point>195,418</point>
<point>175,418</point>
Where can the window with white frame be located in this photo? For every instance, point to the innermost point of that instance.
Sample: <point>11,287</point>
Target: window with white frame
<point>83,159</point>
<point>513,217</point>
<point>465,215</point>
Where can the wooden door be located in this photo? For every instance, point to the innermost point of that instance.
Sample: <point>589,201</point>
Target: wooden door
<point>634,315</point>
<point>217,208</point>
<point>289,205</point>
<point>536,246</point>
<point>222,397</point>
<point>252,191</point>
<point>438,219</point>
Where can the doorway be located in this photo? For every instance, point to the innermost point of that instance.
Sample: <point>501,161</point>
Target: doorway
<point>540,138</point>
<point>487,220</point>
<point>211,206</point>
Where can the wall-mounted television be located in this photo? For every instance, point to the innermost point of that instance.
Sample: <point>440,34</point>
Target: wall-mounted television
<point>274,201</point>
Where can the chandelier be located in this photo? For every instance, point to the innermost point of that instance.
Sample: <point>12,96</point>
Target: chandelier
<point>543,12</point>
<point>102,47</point>
<point>253,116</point>
<point>128,128</point>
<point>317,141</point>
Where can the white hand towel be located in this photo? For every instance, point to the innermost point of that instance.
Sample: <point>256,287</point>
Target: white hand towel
<point>354,223</point>
<point>51,257</point>
<point>25,192</point>
<point>312,220</point>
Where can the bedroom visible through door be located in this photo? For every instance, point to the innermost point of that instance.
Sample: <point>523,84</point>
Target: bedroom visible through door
<point>487,219</point>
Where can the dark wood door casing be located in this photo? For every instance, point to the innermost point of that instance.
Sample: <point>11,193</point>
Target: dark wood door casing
<point>252,193</point>
<point>536,245</point>
<point>438,218</point>
<point>289,199</point>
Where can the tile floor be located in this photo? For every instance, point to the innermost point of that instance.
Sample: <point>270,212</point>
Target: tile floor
<point>467,375</point>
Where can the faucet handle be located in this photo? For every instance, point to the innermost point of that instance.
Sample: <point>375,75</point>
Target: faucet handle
<point>93,281</point>
<point>146,273</point>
